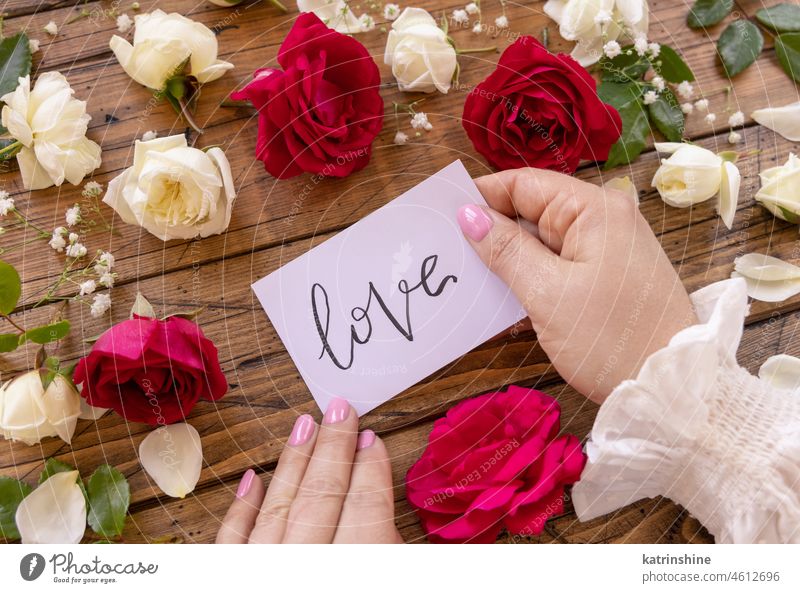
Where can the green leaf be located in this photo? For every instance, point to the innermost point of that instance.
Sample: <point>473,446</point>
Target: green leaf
<point>53,466</point>
<point>109,497</point>
<point>46,333</point>
<point>11,494</point>
<point>15,61</point>
<point>625,67</point>
<point>705,13</point>
<point>739,46</point>
<point>783,17</point>
<point>618,94</point>
<point>10,288</point>
<point>787,48</point>
<point>635,129</point>
<point>9,342</point>
<point>667,116</point>
<point>671,66</point>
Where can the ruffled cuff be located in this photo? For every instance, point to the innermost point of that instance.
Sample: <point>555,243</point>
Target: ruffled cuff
<point>696,427</point>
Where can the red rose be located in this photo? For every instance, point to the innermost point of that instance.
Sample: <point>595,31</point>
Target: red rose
<point>151,371</point>
<point>494,461</point>
<point>540,110</point>
<point>320,113</point>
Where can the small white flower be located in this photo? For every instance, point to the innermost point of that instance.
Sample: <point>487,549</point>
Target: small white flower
<point>687,108</point>
<point>6,204</point>
<point>472,8</point>
<point>124,23</point>
<point>149,135</point>
<point>73,237</point>
<point>33,45</point>
<point>366,22</point>
<point>640,45</point>
<point>88,287</point>
<point>106,260</point>
<point>400,138</point>
<point>57,242</point>
<point>736,120</point>
<point>419,121</point>
<point>391,11</point>
<point>612,49</point>
<point>501,22</point>
<point>701,105</point>
<point>107,279</point>
<point>51,28</point>
<point>603,17</point>
<point>92,188</point>
<point>659,83</point>
<point>477,28</point>
<point>685,89</point>
<point>100,304</point>
<point>73,215</point>
<point>76,250</point>
<point>460,16</point>
<point>734,137</point>
<point>654,49</point>
<point>710,118</point>
<point>650,97</point>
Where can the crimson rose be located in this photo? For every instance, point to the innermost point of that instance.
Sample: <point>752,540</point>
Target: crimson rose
<point>493,461</point>
<point>539,110</point>
<point>320,113</point>
<point>151,370</point>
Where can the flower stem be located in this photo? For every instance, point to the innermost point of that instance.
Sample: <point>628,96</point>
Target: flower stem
<point>476,50</point>
<point>186,113</point>
<point>11,321</point>
<point>11,148</point>
<point>279,5</point>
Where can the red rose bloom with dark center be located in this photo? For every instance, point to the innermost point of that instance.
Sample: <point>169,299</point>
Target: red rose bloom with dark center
<point>322,111</point>
<point>539,109</point>
<point>150,370</point>
<point>494,461</point>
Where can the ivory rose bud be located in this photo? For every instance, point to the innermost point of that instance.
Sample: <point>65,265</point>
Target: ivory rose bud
<point>418,51</point>
<point>29,412</point>
<point>161,43</point>
<point>689,176</point>
<point>174,191</point>
<point>51,126</point>
<point>780,190</point>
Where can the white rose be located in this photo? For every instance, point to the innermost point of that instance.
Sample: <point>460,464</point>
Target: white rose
<point>174,191</point>
<point>161,43</point>
<point>780,190</point>
<point>418,51</point>
<point>592,23</point>
<point>29,413</point>
<point>51,125</point>
<point>336,14</point>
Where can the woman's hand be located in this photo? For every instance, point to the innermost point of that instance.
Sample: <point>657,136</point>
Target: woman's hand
<point>331,485</point>
<point>601,293</point>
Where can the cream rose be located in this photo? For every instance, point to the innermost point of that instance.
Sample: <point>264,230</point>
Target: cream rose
<point>780,190</point>
<point>174,191</point>
<point>419,53</point>
<point>592,23</point>
<point>50,126</point>
<point>29,412</point>
<point>161,43</point>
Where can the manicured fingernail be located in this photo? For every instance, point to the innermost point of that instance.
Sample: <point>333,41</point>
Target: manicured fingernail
<point>302,431</point>
<point>474,222</point>
<point>365,439</point>
<point>338,410</point>
<point>245,483</point>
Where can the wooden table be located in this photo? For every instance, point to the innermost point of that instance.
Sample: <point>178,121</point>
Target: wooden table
<point>271,226</point>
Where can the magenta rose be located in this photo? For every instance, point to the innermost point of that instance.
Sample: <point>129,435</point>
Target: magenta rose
<point>151,370</point>
<point>494,461</point>
<point>322,110</point>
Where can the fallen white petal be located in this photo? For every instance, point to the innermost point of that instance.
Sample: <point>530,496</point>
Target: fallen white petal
<point>625,185</point>
<point>783,120</point>
<point>173,456</point>
<point>781,371</point>
<point>759,266</point>
<point>728,197</point>
<point>142,307</point>
<point>90,412</point>
<point>54,513</point>
<point>774,291</point>
<point>668,147</point>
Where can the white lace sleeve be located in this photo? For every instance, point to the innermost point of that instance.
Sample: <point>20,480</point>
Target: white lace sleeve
<point>696,427</point>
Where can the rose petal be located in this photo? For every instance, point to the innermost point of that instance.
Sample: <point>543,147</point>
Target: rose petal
<point>783,120</point>
<point>173,456</point>
<point>728,197</point>
<point>781,371</point>
<point>54,513</point>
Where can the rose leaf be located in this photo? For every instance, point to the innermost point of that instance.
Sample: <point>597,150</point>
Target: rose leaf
<point>739,46</point>
<point>705,13</point>
<point>11,494</point>
<point>109,498</point>
<point>783,18</point>
<point>787,48</point>
<point>15,61</point>
<point>10,288</point>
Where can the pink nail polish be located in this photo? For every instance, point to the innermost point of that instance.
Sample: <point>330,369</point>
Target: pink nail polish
<point>474,222</point>
<point>365,439</point>
<point>338,410</point>
<point>245,483</point>
<point>302,431</point>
